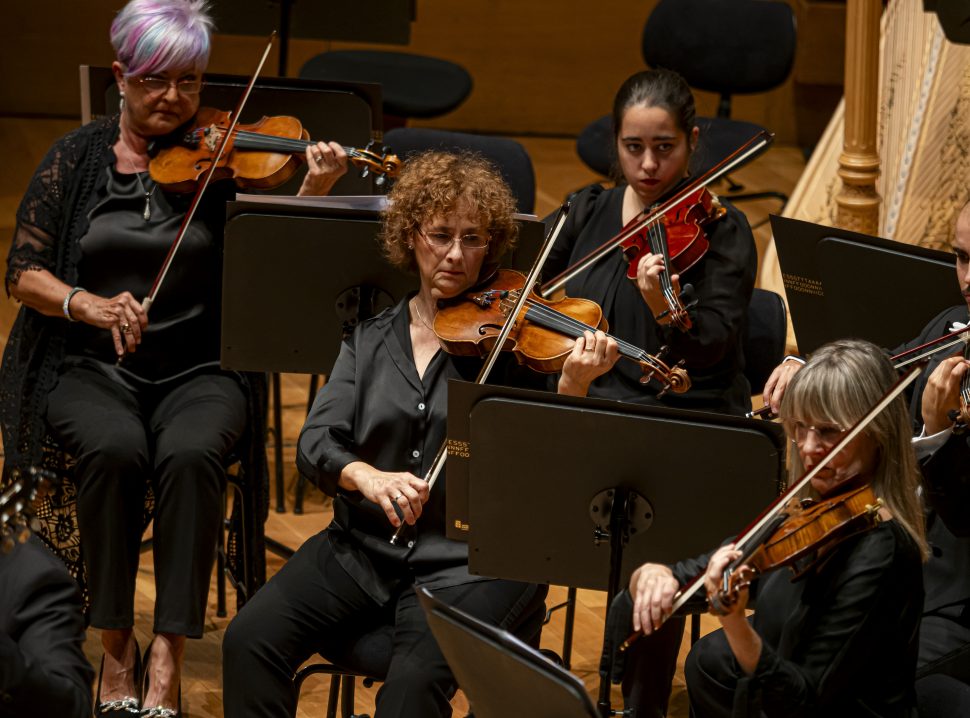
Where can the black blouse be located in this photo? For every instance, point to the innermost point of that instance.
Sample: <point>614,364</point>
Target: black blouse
<point>374,408</point>
<point>840,642</point>
<point>123,251</point>
<point>723,280</point>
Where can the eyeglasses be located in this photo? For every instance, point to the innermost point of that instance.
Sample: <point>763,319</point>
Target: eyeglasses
<point>156,85</point>
<point>827,434</point>
<point>441,240</point>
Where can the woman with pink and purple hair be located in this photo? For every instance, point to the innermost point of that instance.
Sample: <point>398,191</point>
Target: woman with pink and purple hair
<point>92,231</point>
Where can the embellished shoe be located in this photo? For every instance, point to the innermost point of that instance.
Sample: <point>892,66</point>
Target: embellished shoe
<point>157,711</point>
<point>121,707</point>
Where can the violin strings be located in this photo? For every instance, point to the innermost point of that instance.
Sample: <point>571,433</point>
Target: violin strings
<point>565,324</point>
<point>272,143</point>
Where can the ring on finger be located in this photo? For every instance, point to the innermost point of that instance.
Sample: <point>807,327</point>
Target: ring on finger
<point>126,327</point>
<point>318,158</point>
<point>395,499</point>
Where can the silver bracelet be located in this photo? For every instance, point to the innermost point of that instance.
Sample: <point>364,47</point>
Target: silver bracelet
<point>66,306</point>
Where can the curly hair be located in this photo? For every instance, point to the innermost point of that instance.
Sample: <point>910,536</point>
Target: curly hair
<point>437,183</point>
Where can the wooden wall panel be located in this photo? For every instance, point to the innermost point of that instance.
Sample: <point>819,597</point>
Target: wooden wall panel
<point>540,67</point>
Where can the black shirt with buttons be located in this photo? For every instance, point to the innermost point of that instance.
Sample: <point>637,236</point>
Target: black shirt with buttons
<point>374,408</point>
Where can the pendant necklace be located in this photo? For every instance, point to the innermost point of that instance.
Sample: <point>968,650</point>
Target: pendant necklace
<point>147,214</point>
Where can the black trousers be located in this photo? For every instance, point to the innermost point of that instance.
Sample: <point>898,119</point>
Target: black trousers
<point>712,676</point>
<point>647,668</point>
<point>176,437</point>
<point>944,648</point>
<point>313,606</point>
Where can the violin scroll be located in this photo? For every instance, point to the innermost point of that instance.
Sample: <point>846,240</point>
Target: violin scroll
<point>385,165</point>
<point>672,378</point>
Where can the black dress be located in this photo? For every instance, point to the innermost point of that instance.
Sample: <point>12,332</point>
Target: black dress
<point>840,642</point>
<point>722,279</point>
<point>349,580</point>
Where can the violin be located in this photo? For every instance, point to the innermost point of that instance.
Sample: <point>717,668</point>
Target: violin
<point>679,237</point>
<point>544,332</point>
<point>262,155</point>
<point>799,537</point>
<point>678,219</point>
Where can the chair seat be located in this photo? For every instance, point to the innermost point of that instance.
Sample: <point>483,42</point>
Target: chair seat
<point>412,85</point>
<point>718,138</point>
<point>370,655</point>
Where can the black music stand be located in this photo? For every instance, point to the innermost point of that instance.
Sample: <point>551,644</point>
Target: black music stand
<point>299,273</point>
<point>599,487</point>
<point>845,284</point>
<point>501,675</point>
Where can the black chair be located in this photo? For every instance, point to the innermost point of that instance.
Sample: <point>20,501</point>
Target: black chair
<point>725,46</point>
<point>369,659</point>
<point>764,338</point>
<point>506,154</point>
<point>411,85</point>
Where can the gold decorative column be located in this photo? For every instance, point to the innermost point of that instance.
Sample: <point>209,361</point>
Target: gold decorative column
<point>857,201</point>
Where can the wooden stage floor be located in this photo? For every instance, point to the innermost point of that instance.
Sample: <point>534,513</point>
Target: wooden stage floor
<point>23,143</point>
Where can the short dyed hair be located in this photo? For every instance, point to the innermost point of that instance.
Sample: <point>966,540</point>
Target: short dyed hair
<point>153,36</point>
<point>437,183</point>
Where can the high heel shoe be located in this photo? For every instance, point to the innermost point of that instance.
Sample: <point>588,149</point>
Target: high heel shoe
<point>157,711</point>
<point>122,707</point>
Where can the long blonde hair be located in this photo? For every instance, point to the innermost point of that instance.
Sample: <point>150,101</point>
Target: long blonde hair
<point>838,385</point>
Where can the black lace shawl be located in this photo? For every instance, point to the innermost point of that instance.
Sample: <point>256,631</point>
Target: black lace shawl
<point>51,219</point>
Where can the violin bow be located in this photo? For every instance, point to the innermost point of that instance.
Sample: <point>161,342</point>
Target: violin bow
<point>769,513</point>
<point>741,155</point>
<point>187,219</point>
<point>903,359</point>
<point>441,457</point>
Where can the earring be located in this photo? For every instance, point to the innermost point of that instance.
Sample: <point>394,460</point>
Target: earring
<point>121,103</point>
<point>410,245</point>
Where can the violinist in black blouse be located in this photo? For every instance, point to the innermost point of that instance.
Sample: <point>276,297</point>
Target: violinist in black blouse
<point>841,640</point>
<point>944,657</point>
<point>92,232</point>
<point>370,437</point>
<point>655,137</point>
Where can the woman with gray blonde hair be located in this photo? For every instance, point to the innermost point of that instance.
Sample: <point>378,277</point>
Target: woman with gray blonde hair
<point>841,639</point>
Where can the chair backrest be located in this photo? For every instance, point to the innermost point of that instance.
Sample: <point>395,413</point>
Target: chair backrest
<point>508,155</point>
<point>764,337</point>
<point>723,46</point>
<point>501,675</point>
